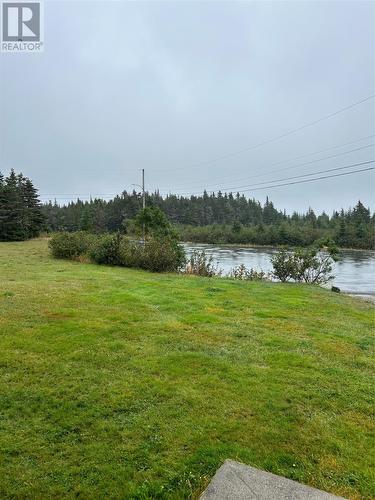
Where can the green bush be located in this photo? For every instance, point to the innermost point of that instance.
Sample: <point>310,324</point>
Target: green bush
<point>107,250</point>
<point>284,265</point>
<point>163,255</point>
<point>70,245</point>
<point>154,223</point>
<point>313,265</point>
<point>156,254</point>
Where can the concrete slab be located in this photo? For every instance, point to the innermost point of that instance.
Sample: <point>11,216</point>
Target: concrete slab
<point>236,481</point>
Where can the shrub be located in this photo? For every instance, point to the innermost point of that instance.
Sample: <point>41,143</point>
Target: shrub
<point>312,265</point>
<point>157,254</point>
<point>162,255</point>
<point>107,250</point>
<point>241,272</point>
<point>131,253</point>
<point>283,263</point>
<point>202,265</point>
<point>154,223</point>
<point>70,245</point>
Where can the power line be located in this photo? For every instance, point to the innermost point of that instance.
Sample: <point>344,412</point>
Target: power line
<point>293,166</point>
<point>310,180</point>
<point>305,180</point>
<point>80,197</point>
<point>276,138</point>
<point>311,173</point>
<point>296,158</point>
<point>289,178</point>
<point>93,195</point>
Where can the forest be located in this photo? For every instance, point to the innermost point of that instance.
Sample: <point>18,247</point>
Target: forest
<point>210,218</point>
<point>219,218</point>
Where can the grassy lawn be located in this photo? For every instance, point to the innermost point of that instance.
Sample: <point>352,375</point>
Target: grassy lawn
<point>119,383</point>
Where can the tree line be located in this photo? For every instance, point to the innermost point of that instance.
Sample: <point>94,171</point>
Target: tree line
<point>219,218</point>
<point>209,218</point>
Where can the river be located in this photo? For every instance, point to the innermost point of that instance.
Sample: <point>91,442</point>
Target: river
<point>354,272</point>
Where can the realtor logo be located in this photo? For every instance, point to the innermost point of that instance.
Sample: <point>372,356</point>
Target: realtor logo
<point>21,27</point>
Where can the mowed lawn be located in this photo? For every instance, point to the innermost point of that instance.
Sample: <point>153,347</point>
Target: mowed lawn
<point>117,383</point>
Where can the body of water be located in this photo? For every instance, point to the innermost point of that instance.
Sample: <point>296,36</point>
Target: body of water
<point>354,273</point>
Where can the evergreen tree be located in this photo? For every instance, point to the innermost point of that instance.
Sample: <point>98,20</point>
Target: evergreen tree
<point>360,214</point>
<point>86,220</point>
<point>33,219</point>
<point>341,236</point>
<point>13,229</point>
<point>2,205</point>
<point>21,215</point>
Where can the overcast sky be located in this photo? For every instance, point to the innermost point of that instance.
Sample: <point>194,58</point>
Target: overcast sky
<point>172,86</point>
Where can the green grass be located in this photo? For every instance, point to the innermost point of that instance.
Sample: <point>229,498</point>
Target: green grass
<point>117,383</point>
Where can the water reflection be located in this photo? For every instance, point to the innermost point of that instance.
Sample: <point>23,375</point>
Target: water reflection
<point>355,272</point>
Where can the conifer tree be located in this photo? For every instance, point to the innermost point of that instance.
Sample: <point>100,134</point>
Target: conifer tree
<point>2,205</point>
<point>34,218</point>
<point>12,213</point>
<point>21,215</point>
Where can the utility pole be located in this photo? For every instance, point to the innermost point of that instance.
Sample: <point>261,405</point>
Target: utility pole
<point>143,203</point>
<point>143,188</point>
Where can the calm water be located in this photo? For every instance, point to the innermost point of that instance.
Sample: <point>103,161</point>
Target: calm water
<point>355,272</point>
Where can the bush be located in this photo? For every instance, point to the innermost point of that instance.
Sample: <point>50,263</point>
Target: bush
<point>283,263</point>
<point>107,250</point>
<point>154,223</point>
<point>241,272</point>
<point>157,254</point>
<point>202,265</point>
<point>70,245</point>
<point>162,255</point>
<point>312,265</point>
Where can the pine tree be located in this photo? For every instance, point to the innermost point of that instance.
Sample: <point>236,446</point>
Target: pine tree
<point>2,206</point>
<point>12,212</point>
<point>341,235</point>
<point>361,214</point>
<point>20,212</point>
<point>86,219</point>
<point>34,219</point>
<point>311,217</point>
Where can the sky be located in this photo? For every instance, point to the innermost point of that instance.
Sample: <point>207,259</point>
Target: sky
<point>197,94</point>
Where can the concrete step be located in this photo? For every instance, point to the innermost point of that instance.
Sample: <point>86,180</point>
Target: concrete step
<point>236,481</point>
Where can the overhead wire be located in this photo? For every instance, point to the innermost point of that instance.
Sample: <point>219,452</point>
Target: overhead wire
<point>292,166</point>
<point>275,138</point>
